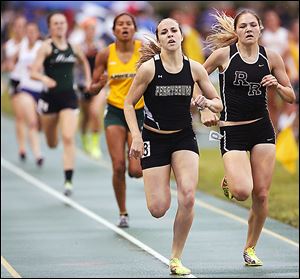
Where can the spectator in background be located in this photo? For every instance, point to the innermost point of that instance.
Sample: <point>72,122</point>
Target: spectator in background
<point>39,17</point>
<point>294,73</point>
<point>192,42</point>
<point>205,21</point>
<point>275,37</point>
<point>145,21</point>
<point>294,48</point>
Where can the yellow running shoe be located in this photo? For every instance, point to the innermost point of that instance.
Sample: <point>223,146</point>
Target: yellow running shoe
<point>224,185</point>
<point>95,151</point>
<point>250,257</point>
<point>177,268</point>
<point>85,140</point>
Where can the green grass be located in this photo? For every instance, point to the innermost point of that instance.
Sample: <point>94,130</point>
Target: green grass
<point>283,201</point>
<point>284,193</point>
<point>6,104</point>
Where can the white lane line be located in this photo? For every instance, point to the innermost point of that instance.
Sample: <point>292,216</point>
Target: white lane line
<point>200,203</point>
<point>9,268</point>
<point>244,221</point>
<point>44,187</point>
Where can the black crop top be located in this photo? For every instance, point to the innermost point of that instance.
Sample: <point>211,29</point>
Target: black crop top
<point>242,95</point>
<point>168,97</point>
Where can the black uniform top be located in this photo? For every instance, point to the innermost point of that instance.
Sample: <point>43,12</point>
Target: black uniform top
<point>242,95</point>
<point>168,97</point>
<point>59,66</point>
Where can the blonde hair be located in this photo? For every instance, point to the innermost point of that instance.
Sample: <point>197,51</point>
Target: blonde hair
<point>223,31</point>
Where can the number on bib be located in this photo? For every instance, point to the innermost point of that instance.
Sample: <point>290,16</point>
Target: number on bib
<point>146,149</point>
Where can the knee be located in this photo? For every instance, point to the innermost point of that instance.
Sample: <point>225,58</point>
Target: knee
<point>33,125</point>
<point>19,118</point>
<point>119,168</point>
<point>52,144</point>
<point>242,190</point>
<point>261,197</point>
<point>68,140</point>
<point>94,113</point>
<point>188,200</point>
<point>241,194</point>
<point>135,173</point>
<point>158,210</point>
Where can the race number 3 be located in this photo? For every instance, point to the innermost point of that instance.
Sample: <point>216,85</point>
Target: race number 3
<point>146,149</point>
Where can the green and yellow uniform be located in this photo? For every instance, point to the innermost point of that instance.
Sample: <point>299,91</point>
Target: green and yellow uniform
<point>120,76</point>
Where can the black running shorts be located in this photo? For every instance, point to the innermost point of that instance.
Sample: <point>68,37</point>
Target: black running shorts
<point>55,102</point>
<point>158,148</point>
<point>245,137</point>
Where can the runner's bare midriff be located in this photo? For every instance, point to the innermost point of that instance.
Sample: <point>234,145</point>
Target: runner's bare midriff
<point>235,123</point>
<point>160,131</point>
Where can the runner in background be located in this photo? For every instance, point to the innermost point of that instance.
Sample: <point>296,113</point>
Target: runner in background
<point>58,105</point>
<point>118,62</point>
<point>92,107</point>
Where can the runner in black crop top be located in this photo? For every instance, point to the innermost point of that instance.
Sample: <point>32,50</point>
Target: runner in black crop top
<point>167,140</point>
<point>59,65</point>
<point>244,98</point>
<point>58,104</point>
<point>168,97</point>
<point>248,72</point>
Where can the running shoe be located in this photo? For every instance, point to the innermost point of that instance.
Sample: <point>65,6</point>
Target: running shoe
<point>39,161</point>
<point>250,257</point>
<point>68,189</point>
<point>85,140</point>
<point>224,185</point>
<point>123,221</point>
<point>177,268</point>
<point>22,156</point>
<point>95,152</point>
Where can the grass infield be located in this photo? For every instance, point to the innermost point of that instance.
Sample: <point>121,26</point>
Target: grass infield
<point>284,193</point>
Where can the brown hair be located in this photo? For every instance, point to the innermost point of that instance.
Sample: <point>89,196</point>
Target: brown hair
<point>223,32</point>
<point>148,50</point>
<point>51,15</point>
<point>151,48</point>
<point>128,14</point>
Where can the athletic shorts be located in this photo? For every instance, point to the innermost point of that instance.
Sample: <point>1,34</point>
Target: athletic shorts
<point>36,95</point>
<point>55,102</point>
<point>245,137</point>
<point>158,148</point>
<point>14,87</point>
<point>115,116</point>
